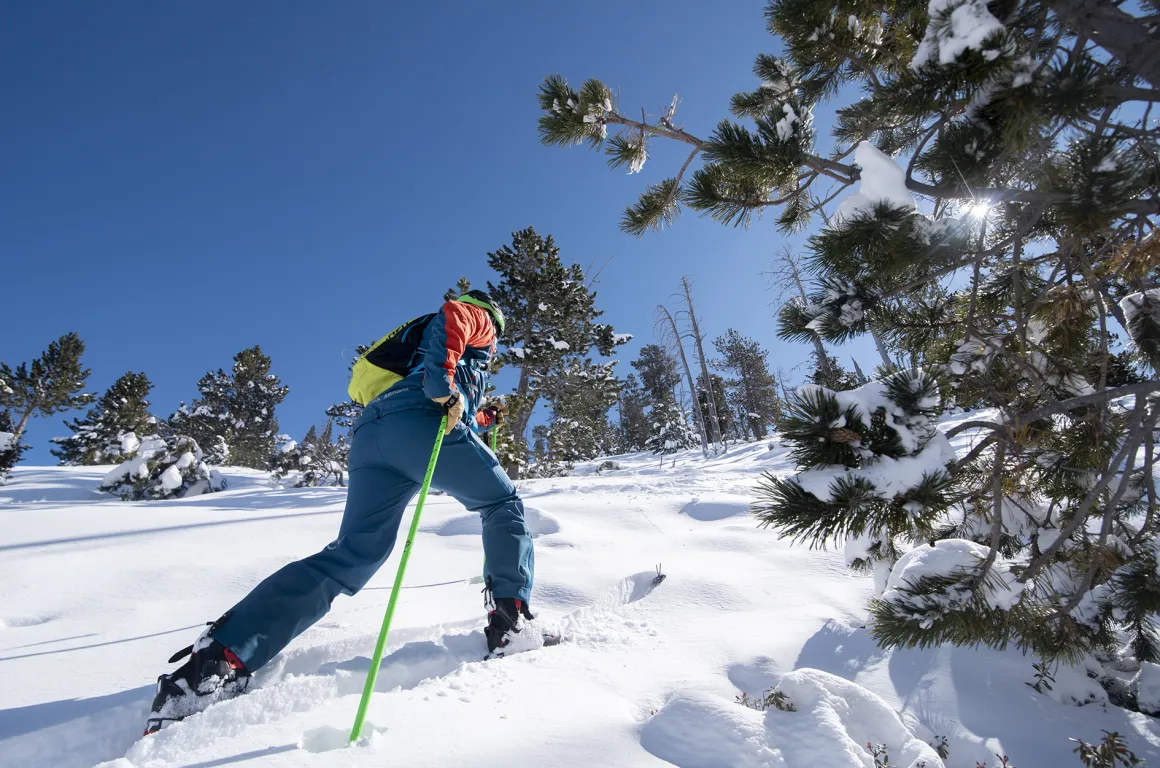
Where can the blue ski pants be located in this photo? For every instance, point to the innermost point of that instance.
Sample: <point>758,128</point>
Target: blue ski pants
<point>389,452</point>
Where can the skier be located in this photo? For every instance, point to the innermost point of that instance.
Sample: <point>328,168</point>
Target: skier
<point>446,373</point>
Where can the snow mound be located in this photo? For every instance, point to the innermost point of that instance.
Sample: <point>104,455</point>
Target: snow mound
<point>881,181</point>
<point>832,722</point>
<point>700,730</point>
<point>949,558</point>
<point>1073,687</point>
<point>1146,686</point>
<point>835,719</point>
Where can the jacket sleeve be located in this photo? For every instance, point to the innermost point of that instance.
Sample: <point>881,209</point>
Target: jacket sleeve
<point>456,327</point>
<point>482,420</point>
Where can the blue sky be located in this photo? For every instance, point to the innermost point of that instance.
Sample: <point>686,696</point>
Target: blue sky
<point>183,180</point>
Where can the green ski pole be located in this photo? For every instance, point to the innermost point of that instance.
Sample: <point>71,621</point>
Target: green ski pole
<point>494,434</point>
<point>377,659</point>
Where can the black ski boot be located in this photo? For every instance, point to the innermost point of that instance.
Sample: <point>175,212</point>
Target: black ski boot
<point>503,618</point>
<point>212,674</point>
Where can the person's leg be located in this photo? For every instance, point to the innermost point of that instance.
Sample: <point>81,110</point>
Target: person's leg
<point>299,594</point>
<point>471,473</point>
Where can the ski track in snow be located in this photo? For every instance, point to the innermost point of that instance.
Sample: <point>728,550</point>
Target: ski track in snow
<point>95,594</point>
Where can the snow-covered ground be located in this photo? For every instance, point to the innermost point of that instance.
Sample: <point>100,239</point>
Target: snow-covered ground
<point>95,594</point>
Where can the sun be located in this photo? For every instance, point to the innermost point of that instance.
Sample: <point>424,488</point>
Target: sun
<point>977,209</point>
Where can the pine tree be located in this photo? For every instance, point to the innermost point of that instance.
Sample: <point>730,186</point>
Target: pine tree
<point>462,286</point>
<point>831,375</point>
<point>551,315</point>
<point>633,425</point>
<point>731,419</point>
<point>658,372</point>
<point>543,462</point>
<point>580,393</point>
<point>992,262</point>
<point>237,408</point>
<point>96,438</point>
<point>51,384</point>
<point>754,385</point>
<point>669,431</point>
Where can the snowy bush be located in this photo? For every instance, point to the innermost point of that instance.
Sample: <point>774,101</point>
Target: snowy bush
<point>161,468</point>
<point>313,462</point>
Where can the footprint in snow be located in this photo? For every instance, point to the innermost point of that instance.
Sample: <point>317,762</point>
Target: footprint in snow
<point>12,622</point>
<point>707,509</point>
<point>539,524</point>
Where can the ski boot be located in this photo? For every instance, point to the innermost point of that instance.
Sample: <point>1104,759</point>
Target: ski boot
<point>502,619</point>
<point>213,673</point>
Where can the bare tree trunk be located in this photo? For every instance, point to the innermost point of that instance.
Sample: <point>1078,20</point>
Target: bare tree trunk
<point>819,348</point>
<point>688,375</point>
<point>758,427</point>
<point>710,401</point>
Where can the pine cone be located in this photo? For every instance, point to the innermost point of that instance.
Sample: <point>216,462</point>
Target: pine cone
<point>843,435</point>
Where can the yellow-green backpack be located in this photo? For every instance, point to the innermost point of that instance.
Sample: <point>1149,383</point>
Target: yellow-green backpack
<point>388,361</point>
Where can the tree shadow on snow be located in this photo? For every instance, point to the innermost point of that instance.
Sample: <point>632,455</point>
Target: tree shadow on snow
<point>96,645</point>
<point>840,650</point>
<point>909,668</point>
<point>49,642</point>
<point>164,529</point>
<point>240,758</point>
<point>994,702</point>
